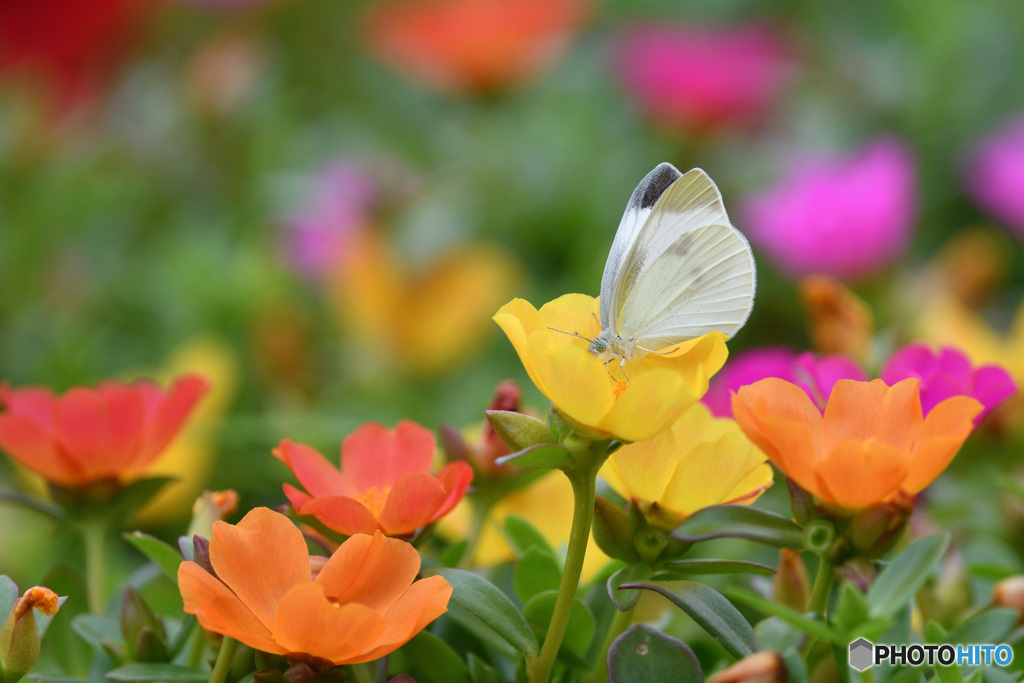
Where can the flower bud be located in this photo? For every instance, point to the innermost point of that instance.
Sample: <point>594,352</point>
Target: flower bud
<point>761,667</point>
<point>1010,593</point>
<point>19,638</point>
<point>144,636</point>
<point>212,506</point>
<point>791,585</point>
<point>840,320</point>
<point>875,530</point>
<point>613,531</point>
<point>519,431</point>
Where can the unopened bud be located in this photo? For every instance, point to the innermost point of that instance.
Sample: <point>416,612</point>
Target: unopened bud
<point>19,638</point>
<point>212,506</point>
<point>1010,593</point>
<point>766,666</point>
<point>840,320</point>
<point>792,584</point>
<point>144,636</point>
<point>613,531</point>
<point>875,530</point>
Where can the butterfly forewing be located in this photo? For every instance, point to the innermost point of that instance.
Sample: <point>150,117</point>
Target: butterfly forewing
<point>641,202</point>
<point>688,271</point>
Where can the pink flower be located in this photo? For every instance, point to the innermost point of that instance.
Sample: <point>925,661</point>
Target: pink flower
<point>816,375</point>
<point>848,217</point>
<point>996,175</point>
<point>948,372</point>
<point>693,78</point>
<point>340,207</point>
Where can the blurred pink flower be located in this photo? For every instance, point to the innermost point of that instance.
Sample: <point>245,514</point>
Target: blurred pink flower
<point>995,175</point>
<point>816,375</point>
<point>947,372</point>
<point>340,207</point>
<point>849,217</point>
<point>694,78</point>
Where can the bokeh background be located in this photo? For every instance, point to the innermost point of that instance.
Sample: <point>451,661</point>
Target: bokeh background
<point>319,203</point>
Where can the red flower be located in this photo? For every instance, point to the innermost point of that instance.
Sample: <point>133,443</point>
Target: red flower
<point>113,431</point>
<point>384,483</point>
<point>72,44</point>
<point>473,45</point>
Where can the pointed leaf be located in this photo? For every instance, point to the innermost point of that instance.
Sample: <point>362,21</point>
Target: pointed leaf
<point>709,609</point>
<point>776,634</point>
<point>540,608</point>
<point>168,673</point>
<point>643,653</point>
<point>434,661</point>
<point>988,626</point>
<point>713,566</point>
<point>548,456</point>
<point>740,521</point>
<point>489,607</point>
<point>898,582</point>
<point>536,573</point>
<point>522,536</point>
<point>626,598</point>
<point>96,629</point>
<point>480,672</point>
<point>165,557</point>
<point>34,503</point>
<point>811,627</point>
<point>453,554</point>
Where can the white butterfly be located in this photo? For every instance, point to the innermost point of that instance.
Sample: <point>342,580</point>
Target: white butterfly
<point>677,269</point>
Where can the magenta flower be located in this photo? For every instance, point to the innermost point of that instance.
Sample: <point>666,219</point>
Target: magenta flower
<point>693,79</point>
<point>995,175</point>
<point>816,375</point>
<point>341,203</point>
<point>848,217</point>
<point>948,372</point>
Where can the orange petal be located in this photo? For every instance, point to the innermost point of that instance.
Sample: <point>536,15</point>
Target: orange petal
<point>260,559</point>
<point>455,478</point>
<point>425,601</point>
<point>862,410</point>
<point>371,570</point>
<point>344,515</point>
<point>374,455</point>
<point>413,502</point>
<point>297,498</point>
<point>857,475</point>
<point>219,610</point>
<point>27,442</point>
<point>173,410</point>
<point>944,431</point>
<point>77,421</point>
<point>307,621</point>
<point>313,471</point>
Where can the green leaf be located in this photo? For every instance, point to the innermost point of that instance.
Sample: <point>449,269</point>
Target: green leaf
<point>812,627</point>
<point>522,536</point>
<point>934,633</point>
<point>34,503</point>
<point>519,431</point>
<point>713,566</point>
<point>644,653</point>
<point>8,595</point>
<point>626,598</point>
<point>740,521</point>
<point>434,661</point>
<point>535,573</point>
<point>548,456</point>
<point>96,629</point>
<point>709,609</point>
<point>489,607</point>
<point>774,633</point>
<point>898,582</point>
<point>988,626</point>
<point>168,673</point>
<point>165,557</point>
<point>453,554</point>
<point>851,610</point>
<point>540,608</point>
<point>481,672</point>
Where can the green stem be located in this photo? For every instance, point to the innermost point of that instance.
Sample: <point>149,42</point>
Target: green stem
<point>822,586</point>
<point>481,508</point>
<point>584,492</point>
<point>196,646</point>
<point>224,657</point>
<point>620,622</point>
<point>94,534</point>
<point>362,673</point>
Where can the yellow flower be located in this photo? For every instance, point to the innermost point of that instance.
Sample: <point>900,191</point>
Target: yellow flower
<point>699,462</point>
<point>660,386</point>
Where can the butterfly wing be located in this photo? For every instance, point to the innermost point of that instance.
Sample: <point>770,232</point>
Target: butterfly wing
<point>641,202</point>
<point>688,271</point>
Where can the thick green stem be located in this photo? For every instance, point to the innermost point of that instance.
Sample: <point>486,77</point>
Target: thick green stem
<point>822,586</point>
<point>620,622</point>
<point>584,492</point>
<point>196,646</point>
<point>94,534</point>
<point>223,664</point>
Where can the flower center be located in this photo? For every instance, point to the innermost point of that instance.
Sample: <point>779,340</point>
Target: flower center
<point>374,498</point>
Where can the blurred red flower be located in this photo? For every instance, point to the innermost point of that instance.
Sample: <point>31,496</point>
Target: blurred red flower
<point>83,436</point>
<point>384,482</point>
<point>473,45</point>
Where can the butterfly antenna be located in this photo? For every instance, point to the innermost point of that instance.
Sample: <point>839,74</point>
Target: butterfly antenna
<point>571,334</point>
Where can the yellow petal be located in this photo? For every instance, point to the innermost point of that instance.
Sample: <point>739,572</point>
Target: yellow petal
<point>709,474</point>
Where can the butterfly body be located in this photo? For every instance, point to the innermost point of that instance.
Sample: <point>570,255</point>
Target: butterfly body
<point>677,268</point>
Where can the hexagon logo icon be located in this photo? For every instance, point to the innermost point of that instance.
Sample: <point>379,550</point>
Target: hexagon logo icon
<point>862,654</point>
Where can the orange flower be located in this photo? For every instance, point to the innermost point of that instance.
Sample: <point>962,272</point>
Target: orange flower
<point>113,431</point>
<point>385,484</point>
<point>871,444</point>
<point>362,605</point>
<point>473,45</point>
